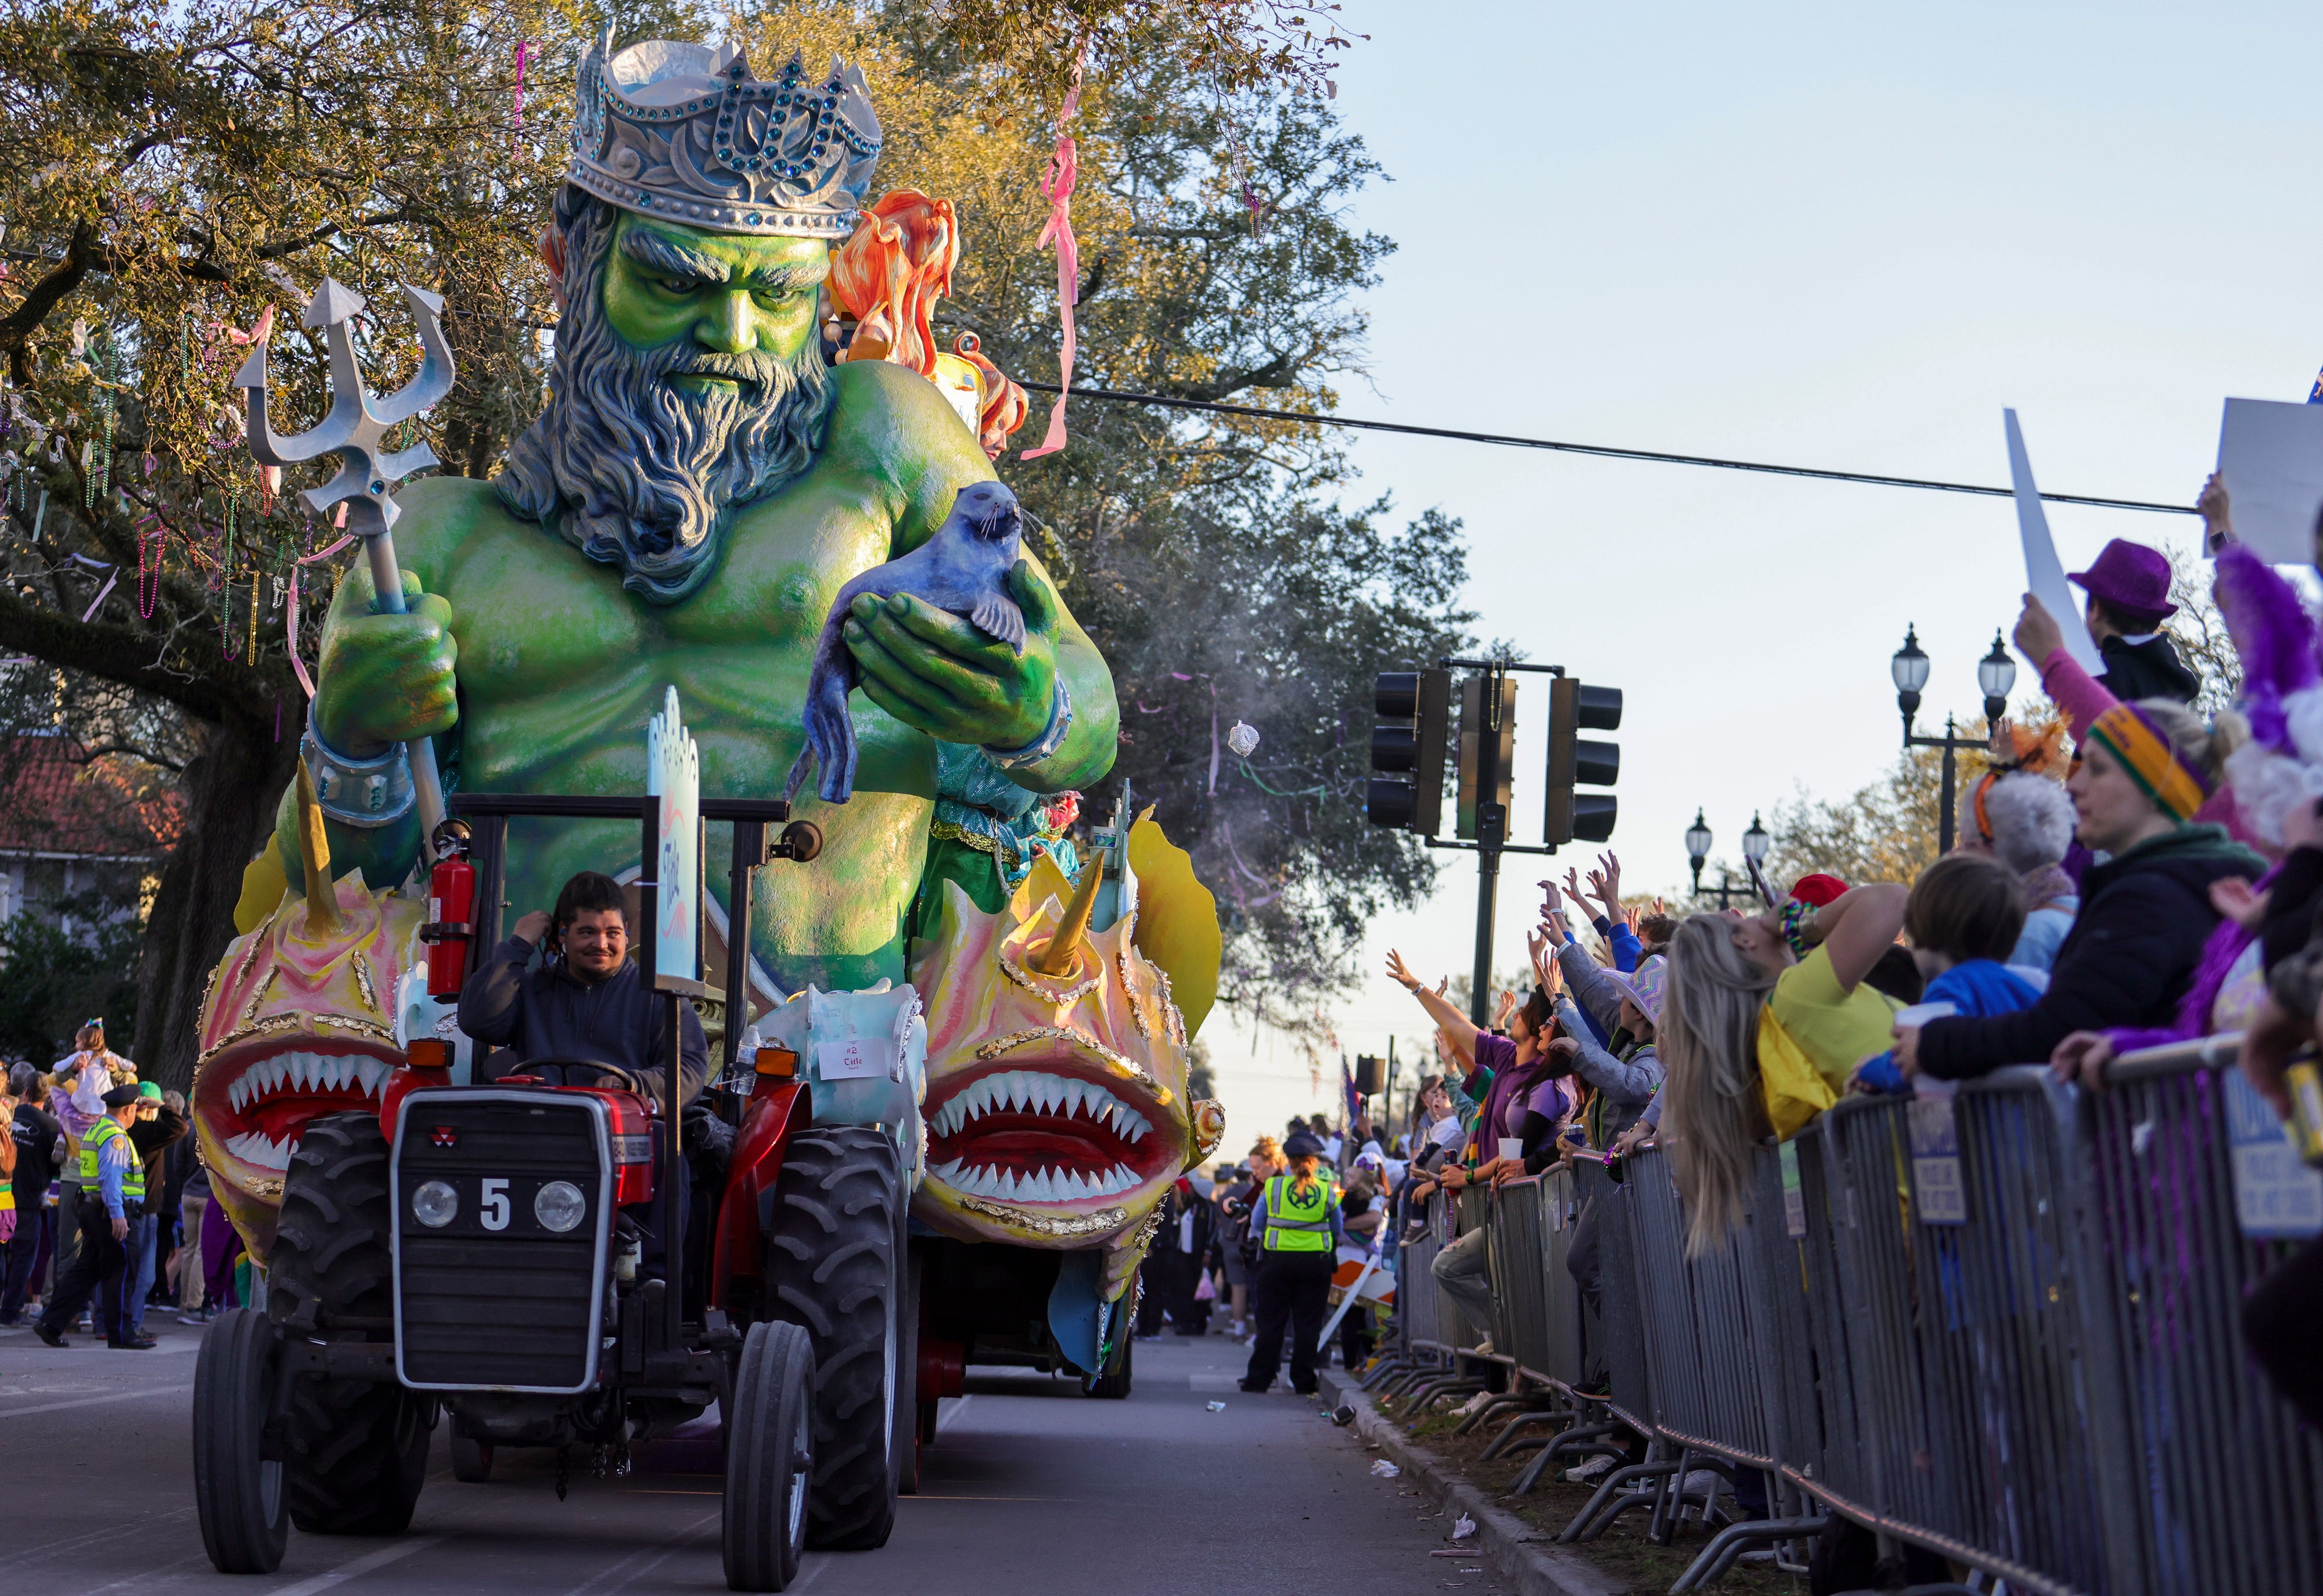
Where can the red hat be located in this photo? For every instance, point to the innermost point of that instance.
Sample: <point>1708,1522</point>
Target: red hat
<point>1818,889</point>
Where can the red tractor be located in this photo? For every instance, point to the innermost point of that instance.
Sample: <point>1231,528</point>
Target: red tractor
<point>514,1255</point>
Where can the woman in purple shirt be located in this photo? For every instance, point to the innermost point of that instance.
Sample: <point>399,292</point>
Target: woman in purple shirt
<point>1525,1104</point>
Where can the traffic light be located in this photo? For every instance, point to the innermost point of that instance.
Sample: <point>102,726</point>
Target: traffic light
<point>1488,741</point>
<point>1572,759</point>
<point>1414,708</point>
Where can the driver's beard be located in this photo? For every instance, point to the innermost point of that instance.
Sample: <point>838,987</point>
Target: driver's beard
<point>635,469</point>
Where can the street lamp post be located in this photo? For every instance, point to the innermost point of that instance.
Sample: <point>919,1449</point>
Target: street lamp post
<point>1755,844</point>
<point>1996,673</point>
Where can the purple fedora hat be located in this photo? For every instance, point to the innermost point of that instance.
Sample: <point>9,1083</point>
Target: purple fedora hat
<point>2129,576</point>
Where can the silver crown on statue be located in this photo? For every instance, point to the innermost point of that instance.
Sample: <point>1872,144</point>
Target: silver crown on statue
<point>689,133</point>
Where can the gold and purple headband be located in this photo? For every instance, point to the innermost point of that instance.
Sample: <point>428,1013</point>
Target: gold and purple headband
<point>2143,750</point>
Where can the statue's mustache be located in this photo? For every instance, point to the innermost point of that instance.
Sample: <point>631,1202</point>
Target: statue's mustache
<point>763,371</point>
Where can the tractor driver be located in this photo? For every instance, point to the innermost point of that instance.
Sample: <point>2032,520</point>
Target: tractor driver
<point>587,1000</point>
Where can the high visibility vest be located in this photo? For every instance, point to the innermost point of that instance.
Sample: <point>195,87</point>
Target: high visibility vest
<point>132,1178</point>
<point>1299,1224</point>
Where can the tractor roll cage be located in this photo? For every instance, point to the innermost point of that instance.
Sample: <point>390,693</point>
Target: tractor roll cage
<point>488,815</point>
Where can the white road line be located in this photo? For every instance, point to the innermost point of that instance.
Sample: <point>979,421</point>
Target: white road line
<point>811,1567</point>
<point>944,1422</point>
<point>359,1567</point>
<point>630,1569</point>
<point>74,1543</point>
<point>142,1574</point>
<point>152,1391</point>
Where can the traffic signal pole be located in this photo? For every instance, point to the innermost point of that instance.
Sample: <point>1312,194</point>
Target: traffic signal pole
<point>1409,738</point>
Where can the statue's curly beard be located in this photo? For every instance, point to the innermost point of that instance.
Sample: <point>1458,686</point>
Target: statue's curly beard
<point>633,467</point>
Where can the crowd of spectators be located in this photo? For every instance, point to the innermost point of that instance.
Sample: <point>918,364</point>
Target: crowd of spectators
<point>141,1227</point>
<point>2164,882</point>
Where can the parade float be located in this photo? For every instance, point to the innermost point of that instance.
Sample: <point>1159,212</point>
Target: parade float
<point>954,1053</point>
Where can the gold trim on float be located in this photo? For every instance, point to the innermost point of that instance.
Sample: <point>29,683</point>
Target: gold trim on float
<point>1015,1040</point>
<point>362,980</point>
<point>275,1024</point>
<point>1027,980</point>
<point>1059,1224</point>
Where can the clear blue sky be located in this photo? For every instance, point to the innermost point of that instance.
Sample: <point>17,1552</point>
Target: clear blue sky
<point>1841,235</point>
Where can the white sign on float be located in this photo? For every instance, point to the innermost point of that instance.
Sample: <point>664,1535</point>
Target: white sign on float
<point>2045,574</point>
<point>2270,460</point>
<point>673,776</point>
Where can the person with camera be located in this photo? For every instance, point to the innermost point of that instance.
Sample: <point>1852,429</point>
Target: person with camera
<point>112,1194</point>
<point>587,1001</point>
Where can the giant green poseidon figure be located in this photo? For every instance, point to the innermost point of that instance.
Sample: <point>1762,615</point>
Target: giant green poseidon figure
<point>698,489</point>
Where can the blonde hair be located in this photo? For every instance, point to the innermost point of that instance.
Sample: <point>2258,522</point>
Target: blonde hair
<point>1269,1149</point>
<point>1712,1112</point>
<point>1302,1173</point>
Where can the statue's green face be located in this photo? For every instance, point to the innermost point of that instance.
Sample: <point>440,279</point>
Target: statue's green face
<point>733,293</point>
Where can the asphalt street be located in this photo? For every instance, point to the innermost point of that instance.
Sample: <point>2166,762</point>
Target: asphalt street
<point>1031,1488</point>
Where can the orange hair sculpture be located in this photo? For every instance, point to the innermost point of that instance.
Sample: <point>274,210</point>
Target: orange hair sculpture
<point>887,278</point>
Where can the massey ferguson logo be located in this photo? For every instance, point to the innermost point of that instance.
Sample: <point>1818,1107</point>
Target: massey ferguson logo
<point>445,1136</point>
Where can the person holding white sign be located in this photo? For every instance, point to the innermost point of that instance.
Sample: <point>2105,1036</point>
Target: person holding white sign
<point>587,1001</point>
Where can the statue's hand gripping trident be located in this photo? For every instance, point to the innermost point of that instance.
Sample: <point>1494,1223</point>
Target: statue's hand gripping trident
<point>354,430</point>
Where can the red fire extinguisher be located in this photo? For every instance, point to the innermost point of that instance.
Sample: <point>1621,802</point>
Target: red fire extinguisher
<point>451,902</point>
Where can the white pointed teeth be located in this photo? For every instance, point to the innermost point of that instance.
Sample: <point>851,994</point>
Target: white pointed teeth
<point>307,1072</point>
<point>1037,1091</point>
<point>253,1146</point>
<point>1037,1186</point>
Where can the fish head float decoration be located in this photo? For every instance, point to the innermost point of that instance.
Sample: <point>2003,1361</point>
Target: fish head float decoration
<point>1057,1113</point>
<point>297,1022</point>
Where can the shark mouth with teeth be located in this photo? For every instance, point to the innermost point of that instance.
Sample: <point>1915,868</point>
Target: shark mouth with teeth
<point>269,1095</point>
<point>296,1024</point>
<point>1033,1136</point>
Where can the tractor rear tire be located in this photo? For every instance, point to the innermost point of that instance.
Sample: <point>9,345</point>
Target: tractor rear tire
<point>238,1495</point>
<point>835,1269</point>
<point>356,1450</point>
<point>769,1458</point>
<point>472,1460</point>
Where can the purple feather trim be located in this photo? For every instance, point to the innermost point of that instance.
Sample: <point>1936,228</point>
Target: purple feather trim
<point>2274,635</point>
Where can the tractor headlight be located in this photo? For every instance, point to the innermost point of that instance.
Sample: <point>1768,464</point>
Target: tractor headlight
<point>435,1204</point>
<point>559,1206</point>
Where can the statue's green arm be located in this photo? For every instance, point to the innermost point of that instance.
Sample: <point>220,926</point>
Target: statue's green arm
<point>895,427</point>
<point>374,673</point>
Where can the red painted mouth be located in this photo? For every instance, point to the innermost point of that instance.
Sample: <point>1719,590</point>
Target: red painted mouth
<point>1046,1134</point>
<point>256,1103</point>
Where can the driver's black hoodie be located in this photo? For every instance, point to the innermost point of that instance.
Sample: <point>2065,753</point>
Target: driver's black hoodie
<point>549,1013</point>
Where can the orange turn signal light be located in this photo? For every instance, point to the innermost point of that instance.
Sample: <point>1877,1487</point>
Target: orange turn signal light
<point>779,1063</point>
<point>429,1052</point>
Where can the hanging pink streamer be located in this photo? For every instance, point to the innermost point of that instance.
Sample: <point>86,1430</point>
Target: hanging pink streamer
<point>516,129</point>
<point>291,610</point>
<point>93,604</point>
<point>1057,188</point>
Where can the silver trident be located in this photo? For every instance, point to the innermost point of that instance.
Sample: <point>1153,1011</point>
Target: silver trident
<point>354,431</point>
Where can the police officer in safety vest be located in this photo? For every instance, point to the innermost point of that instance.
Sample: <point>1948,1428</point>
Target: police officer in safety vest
<point>1297,1222</point>
<point>113,1193</point>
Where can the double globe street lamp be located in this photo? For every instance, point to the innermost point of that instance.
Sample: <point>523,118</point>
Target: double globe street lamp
<point>1755,844</point>
<point>1996,673</point>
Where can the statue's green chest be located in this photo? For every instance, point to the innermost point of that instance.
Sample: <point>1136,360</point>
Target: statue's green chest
<point>560,668</point>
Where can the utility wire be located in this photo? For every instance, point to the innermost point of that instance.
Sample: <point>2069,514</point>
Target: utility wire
<point>1603,450</point>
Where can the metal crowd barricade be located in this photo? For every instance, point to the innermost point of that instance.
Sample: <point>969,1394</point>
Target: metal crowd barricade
<point>1536,1311</point>
<point>2227,1495</point>
<point>1623,1335</point>
<point>2002,1326</point>
<point>1968,1409</point>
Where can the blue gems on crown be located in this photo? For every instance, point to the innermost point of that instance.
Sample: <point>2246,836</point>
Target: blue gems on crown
<point>688,132</point>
